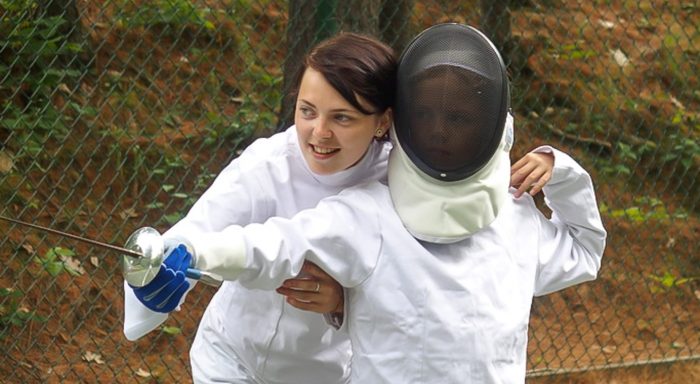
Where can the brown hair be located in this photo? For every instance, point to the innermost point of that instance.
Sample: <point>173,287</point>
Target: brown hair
<point>355,65</point>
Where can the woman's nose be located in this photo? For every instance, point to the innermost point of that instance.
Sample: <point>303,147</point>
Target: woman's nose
<point>322,130</point>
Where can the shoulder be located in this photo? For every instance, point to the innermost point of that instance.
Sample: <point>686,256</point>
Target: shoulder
<point>371,190</point>
<point>365,203</point>
<point>362,199</point>
<point>370,200</point>
<point>278,145</point>
<point>524,202</point>
<point>275,151</point>
<point>518,211</point>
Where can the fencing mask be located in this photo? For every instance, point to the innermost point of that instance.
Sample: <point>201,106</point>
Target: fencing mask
<point>450,168</point>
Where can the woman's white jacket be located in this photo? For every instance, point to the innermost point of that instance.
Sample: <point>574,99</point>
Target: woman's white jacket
<point>276,342</point>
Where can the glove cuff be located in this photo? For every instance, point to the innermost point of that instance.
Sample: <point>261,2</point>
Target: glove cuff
<point>172,241</point>
<point>223,253</point>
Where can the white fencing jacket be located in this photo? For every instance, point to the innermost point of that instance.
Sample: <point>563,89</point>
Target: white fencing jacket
<point>276,342</point>
<point>419,312</point>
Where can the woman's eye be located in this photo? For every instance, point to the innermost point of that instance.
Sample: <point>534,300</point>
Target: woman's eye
<point>306,111</point>
<point>343,118</point>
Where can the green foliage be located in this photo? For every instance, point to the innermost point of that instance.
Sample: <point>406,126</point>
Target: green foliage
<point>255,114</point>
<point>173,218</point>
<point>571,52</point>
<point>611,168</point>
<point>171,331</point>
<point>645,208</point>
<point>31,45</point>
<point>202,181</point>
<point>12,313</point>
<point>627,156</point>
<point>249,119</point>
<point>172,13</point>
<point>667,282</point>
<point>685,151</point>
<point>54,263</point>
<point>14,7</point>
<point>679,149</point>
<point>32,127</point>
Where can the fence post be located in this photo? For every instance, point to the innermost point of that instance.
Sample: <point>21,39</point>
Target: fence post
<point>496,24</point>
<point>394,23</point>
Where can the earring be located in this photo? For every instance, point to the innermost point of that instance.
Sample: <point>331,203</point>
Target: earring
<point>379,133</point>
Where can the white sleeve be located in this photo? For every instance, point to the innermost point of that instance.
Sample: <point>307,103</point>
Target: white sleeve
<point>233,198</point>
<point>573,240</point>
<point>341,235</point>
<point>139,320</point>
<point>337,320</point>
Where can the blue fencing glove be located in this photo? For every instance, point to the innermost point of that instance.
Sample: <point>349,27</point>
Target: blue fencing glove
<point>164,292</point>
<point>178,258</point>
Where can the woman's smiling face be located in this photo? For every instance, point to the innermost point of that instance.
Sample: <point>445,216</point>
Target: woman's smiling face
<point>332,133</point>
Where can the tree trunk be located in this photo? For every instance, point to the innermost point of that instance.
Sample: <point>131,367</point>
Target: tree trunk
<point>360,16</point>
<point>395,23</point>
<point>300,37</point>
<point>495,21</point>
<point>496,25</point>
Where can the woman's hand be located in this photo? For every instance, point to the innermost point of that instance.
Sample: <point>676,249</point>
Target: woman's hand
<point>531,172</point>
<point>313,290</point>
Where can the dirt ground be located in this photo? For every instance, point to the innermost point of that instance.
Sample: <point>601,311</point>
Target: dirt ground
<point>617,323</point>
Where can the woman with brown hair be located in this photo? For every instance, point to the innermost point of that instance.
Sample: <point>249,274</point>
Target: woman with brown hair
<point>343,96</point>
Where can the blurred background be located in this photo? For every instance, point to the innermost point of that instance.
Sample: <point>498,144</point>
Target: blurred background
<point>117,114</point>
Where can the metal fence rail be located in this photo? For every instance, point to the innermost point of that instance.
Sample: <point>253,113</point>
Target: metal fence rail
<point>117,114</point>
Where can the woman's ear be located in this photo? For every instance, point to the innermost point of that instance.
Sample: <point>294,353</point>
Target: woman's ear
<point>385,122</point>
<point>386,119</point>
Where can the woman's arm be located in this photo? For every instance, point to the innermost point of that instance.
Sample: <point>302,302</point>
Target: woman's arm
<point>573,240</point>
<point>235,197</point>
<point>341,235</point>
<point>313,290</point>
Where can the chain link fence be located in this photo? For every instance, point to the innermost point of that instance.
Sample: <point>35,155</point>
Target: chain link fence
<point>117,114</point>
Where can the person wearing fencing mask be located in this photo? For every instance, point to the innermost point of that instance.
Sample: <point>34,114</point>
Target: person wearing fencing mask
<point>453,135</point>
<point>440,265</point>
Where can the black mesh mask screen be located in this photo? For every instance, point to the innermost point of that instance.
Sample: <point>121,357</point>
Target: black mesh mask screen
<point>452,101</point>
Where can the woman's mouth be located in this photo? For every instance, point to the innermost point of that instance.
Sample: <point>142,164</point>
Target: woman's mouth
<point>322,150</point>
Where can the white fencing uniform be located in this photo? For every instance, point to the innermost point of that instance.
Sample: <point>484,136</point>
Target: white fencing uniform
<point>420,312</point>
<point>247,329</point>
